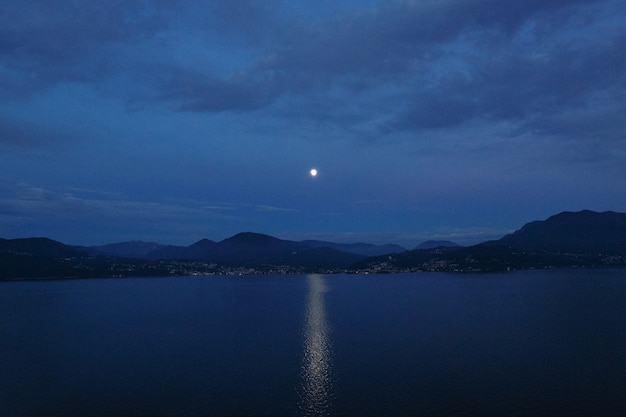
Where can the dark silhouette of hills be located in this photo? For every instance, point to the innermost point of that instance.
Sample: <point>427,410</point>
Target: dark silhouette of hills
<point>364,249</point>
<point>254,250</point>
<point>197,251</point>
<point>37,246</point>
<point>432,244</point>
<point>568,232</point>
<point>38,258</point>
<point>132,249</point>
<point>200,249</point>
<point>568,239</point>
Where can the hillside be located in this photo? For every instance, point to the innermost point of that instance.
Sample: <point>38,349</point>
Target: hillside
<point>132,249</point>
<point>580,239</point>
<point>432,244</point>
<point>38,258</point>
<point>255,250</point>
<point>38,247</point>
<point>582,232</point>
<point>197,251</point>
<point>365,249</point>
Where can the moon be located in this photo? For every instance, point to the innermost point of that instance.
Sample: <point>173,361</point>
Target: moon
<point>313,172</point>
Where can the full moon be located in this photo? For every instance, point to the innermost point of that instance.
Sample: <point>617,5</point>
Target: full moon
<point>313,172</point>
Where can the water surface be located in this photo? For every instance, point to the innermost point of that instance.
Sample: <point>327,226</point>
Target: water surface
<point>542,343</point>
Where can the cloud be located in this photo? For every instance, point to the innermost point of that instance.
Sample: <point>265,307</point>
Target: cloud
<point>246,21</point>
<point>59,213</point>
<point>49,42</point>
<point>518,86</point>
<point>225,207</point>
<point>22,134</point>
<point>272,209</point>
<point>44,43</point>
<point>444,65</point>
<point>446,62</point>
<point>43,206</point>
<point>27,192</point>
<point>400,68</point>
<point>400,36</point>
<point>368,202</point>
<point>531,79</point>
<point>198,92</point>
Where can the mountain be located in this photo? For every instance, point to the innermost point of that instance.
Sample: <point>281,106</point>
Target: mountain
<point>568,239</point>
<point>38,258</point>
<point>37,246</point>
<point>132,249</point>
<point>572,232</point>
<point>258,250</point>
<point>364,249</point>
<point>197,251</point>
<point>432,244</point>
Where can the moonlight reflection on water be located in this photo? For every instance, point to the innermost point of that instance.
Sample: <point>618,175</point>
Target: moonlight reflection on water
<point>316,374</point>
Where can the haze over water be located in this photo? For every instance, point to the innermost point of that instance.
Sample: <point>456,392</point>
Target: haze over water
<point>539,343</point>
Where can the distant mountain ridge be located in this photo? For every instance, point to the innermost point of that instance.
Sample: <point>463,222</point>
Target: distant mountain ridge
<point>567,239</point>
<point>38,257</point>
<point>132,249</point>
<point>572,232</point>
<point>255,249</point>
<point>432,244</point>
<point>365,249</point>
<point>37,246</point>
<point>194,251</point>
<point>202,248</point>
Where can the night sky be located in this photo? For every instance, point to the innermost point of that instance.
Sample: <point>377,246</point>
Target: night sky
<point>172,121</point>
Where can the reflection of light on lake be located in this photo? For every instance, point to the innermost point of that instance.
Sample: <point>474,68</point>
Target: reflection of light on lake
<point>316,371</point>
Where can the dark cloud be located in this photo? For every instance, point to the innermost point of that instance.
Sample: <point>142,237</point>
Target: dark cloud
<point>397,36</point>
<point>51,31</point>
<point>519,81</point>
<point>14,134</point>
<point>199,92</point>
<point>44,43</point>
<point>399,44</point>
<point>246,21</point>
<point>29,193</point>
<point>42,209</point>
<point>442,65</point>
<point>401,67</point>
<point>22,134</point>
<point>66,41</point>
<point>518,88</point>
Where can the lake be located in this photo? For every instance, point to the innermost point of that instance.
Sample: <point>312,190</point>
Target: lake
<point>537,343</point>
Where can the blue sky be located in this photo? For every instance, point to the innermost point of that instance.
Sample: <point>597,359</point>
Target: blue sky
<point>175,121</point>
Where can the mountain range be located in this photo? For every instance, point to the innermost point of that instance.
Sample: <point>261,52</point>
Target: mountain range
<point>432,244</point>
<point>205,248</point>
<point>255,250</point>
<point>568,239</point>
<point>582,232</point>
